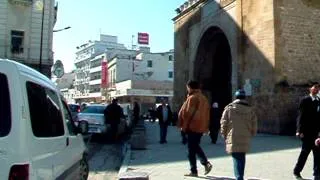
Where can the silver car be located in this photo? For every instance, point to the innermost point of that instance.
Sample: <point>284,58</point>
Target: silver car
<point>92,117</point>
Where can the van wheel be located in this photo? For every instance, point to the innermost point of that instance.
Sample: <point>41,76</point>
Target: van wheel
<point>84,169</point>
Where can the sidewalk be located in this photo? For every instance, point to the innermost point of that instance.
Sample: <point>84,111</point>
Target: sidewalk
<point>271,157</point>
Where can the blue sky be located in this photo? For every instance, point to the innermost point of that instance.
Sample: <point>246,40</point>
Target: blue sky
<point>122,18</point>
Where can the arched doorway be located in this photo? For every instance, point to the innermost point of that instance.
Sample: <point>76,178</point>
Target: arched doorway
<point>213,66</point>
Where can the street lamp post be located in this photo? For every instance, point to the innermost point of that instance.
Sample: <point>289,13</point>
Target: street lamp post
<point>62,29</point>
<point>41,34</point>
<point>41,37</point>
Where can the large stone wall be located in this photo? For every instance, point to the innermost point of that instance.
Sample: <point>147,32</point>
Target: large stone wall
<point>298,40</point>
<point>258,44</point>
<point>258,61</point>
<point>274,43</point>
<point>181,54</point>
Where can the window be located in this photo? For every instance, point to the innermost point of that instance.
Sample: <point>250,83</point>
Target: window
<point>69,120</point>
<point>149,64</point>
<point>74,107</point>
<point>114,77</point>
<point>94,109</point>
<point>170,74</point>
<point>5,106</point>
<point>17,41</point>
<point>45,112</point>
<point>170,58</point>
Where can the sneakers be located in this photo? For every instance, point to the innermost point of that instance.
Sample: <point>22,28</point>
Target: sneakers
<point>207,168</point>
<point>191,174</point>
<point>298,176</point>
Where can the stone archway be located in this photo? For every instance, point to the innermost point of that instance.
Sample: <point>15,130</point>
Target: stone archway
<point>213,66</point>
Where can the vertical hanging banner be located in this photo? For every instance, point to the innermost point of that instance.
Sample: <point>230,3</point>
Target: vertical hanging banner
<point>143,38</point>
<point>104,74</point>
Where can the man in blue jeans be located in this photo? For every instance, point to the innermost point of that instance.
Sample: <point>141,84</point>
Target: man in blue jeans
<point>238,126</point>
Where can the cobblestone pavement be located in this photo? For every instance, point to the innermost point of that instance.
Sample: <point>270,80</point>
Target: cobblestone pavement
<point>271,157</point>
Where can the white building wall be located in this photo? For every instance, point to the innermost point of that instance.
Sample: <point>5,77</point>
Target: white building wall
<point>160,67</point>
<point>3,26</point>
<point>124,70</point>
<point>27,18</point>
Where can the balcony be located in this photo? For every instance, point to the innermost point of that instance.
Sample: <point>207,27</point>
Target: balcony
<point>95,82</point>
<point>21,2</point>
<point>95,69</point>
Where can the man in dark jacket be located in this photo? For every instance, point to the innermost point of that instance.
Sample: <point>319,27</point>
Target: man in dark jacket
<point>113,113</point>
<point>214,125</point>
<point>136,113</point>
<point>164,115</point>
<point>308,129</point>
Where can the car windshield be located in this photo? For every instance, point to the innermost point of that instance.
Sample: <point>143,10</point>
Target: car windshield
<point>94,109</point>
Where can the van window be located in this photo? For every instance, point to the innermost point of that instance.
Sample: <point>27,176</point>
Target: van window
<point>68,118</point>
<point>45,112</point>
<point>5,107</point>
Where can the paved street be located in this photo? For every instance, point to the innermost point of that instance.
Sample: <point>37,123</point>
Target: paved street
<point>271,157</point>
<point>104,160</point>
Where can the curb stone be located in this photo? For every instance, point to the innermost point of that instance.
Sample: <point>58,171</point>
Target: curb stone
<point>126,154</point>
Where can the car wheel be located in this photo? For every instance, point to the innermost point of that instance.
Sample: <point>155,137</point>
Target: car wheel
<point>84,169</point>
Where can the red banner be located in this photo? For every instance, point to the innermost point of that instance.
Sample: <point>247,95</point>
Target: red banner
<point>143,38</point>
<point>104,74</point>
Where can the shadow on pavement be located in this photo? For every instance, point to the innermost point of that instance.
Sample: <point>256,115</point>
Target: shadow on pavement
<point>175,151</point>
<point>216,178</point>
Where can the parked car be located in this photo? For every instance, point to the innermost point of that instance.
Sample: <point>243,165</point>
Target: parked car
<point>38,139</point>
<point>93,118</point>
<point>75,109</point>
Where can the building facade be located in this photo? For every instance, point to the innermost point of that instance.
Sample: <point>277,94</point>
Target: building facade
<point>269,48</point>
<point>132,75</point>
<point>26,32</point>
<point>87,63</point>
<point>140,76</point>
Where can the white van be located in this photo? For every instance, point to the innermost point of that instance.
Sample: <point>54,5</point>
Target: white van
<point>38,139</point>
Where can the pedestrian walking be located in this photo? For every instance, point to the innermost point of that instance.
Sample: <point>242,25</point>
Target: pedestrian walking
<point>194,121</point>
<point>136,112</point>
<point>164,115</point>
<point>113,113</point>
<point>238,126</point>
<point>214,126</point>
<point>308,129</point>
<point>184,139</point>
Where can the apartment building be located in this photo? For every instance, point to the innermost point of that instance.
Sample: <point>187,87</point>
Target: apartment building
<point>88,59</point>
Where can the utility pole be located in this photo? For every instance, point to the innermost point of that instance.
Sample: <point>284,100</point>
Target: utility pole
<point>41,37</point>
<point>132,37</point>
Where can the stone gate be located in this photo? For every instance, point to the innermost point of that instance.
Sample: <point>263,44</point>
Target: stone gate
<point>271,48</point>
